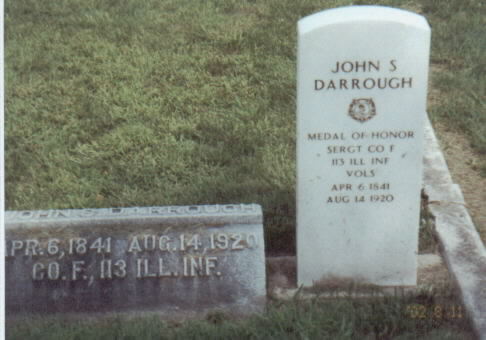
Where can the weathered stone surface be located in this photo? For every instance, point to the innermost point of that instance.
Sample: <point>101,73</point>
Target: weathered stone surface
<point>361,99</point>
<point>135,259</point>
<point>462,248</point>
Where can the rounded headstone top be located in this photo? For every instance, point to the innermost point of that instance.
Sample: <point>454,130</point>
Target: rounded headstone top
<point>350,14</point>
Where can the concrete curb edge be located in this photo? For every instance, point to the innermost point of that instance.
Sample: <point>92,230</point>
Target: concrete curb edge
<point>462,249</point>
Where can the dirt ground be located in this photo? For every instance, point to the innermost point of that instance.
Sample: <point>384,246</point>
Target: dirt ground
<point>461,160</point>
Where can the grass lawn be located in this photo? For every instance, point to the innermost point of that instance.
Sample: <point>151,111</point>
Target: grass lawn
<point>420,317</point>
<point>174,102</point>
<point>140,103</point>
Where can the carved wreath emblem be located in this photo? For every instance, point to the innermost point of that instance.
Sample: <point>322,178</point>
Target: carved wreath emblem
<point>362,109</point>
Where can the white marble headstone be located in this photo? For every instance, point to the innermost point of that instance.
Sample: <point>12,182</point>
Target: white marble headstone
<point>361,105</point>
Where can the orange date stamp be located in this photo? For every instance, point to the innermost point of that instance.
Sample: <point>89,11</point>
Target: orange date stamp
<point>434,311</point>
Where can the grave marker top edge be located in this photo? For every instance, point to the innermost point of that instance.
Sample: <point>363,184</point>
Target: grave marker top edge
<point>348,14</point>
<point>218,213</point>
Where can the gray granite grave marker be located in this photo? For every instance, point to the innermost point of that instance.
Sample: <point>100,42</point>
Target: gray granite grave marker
<point>173,258</point>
